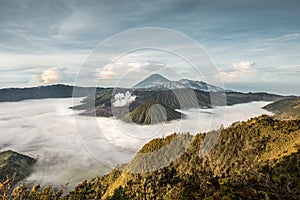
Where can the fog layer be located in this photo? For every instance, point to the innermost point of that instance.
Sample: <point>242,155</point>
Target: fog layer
<point>70,147</point>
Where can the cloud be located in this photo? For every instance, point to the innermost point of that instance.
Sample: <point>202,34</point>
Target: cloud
<point>123,99</point>
<point>145,66</point>
<point>34,80</point>
<point>283,38</point>
<point>48,76</point>
<point>108,74</point>
<point>51,75</point>
<point>238,72</point>
<point>228,76</point>
<point>119,69</point>
<point>136,66</point>
<point>244,66</point>
<point>31,61</point>
<point>47,130</point>
<point>154,66</point>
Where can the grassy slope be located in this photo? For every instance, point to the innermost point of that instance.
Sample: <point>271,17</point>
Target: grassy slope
<point>12,162</point>
<point>286,108</point>
<point>150,113</point>
<point>257,159</point>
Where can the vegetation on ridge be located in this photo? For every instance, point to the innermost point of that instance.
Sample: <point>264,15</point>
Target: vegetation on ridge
<point>14,163</point>
<point>285,108</point>
<point>150,113</point>
<point>256,159</point>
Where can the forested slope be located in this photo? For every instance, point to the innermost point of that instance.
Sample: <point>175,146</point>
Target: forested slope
<point>257,159</point>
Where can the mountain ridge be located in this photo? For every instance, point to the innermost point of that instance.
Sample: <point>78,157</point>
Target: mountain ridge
<point>159,81</point>
<point>153,78</point>
<point>286,108</point>
<point>101,104</point>
<point>171,95</point>
<point>45,91</point>
<point>151,113</point>
<point>254,159</point>
<point>15,164</point>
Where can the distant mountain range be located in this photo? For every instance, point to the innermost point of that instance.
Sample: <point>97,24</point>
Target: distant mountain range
<point>155,90</point>
<point>101,104</point>
<point>160,92</point>
<point>157,81</point>
<point>260,160</point>
<point>154,82</point>
<point>42,92</point>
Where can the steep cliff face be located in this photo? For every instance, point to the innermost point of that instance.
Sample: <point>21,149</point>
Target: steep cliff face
<point>256,159</point>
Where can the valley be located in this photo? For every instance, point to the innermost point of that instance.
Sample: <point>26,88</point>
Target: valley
<point>148,133</point>
<point>157,90</point>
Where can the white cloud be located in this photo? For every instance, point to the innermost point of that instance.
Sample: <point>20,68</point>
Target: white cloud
<point>51,75</point>
<point>123,99</point>
<point>244,66</point>
<point>29,60</point>
<point>238,71</point>
<point>284,38</point>
<point>108,73</point>
<point>228,76</point>
<point>47,131</point>
<point>148,66</point>
<point>48,76</point>
<point>119,69</point>
<point>34,80</point>
<point>136,66</point>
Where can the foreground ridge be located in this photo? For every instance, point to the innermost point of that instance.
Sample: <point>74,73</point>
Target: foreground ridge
<point>256,159</point>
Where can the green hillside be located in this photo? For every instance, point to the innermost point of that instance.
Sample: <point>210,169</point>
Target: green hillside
<point>256,159</point>
<point>285,108</point>
<point>150,113</point>
<point>14,163</point>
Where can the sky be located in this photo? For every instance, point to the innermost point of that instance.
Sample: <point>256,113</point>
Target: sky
<point>252,45</point>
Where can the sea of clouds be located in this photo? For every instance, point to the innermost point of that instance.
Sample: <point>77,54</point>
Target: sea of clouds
<point>70,148</point>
